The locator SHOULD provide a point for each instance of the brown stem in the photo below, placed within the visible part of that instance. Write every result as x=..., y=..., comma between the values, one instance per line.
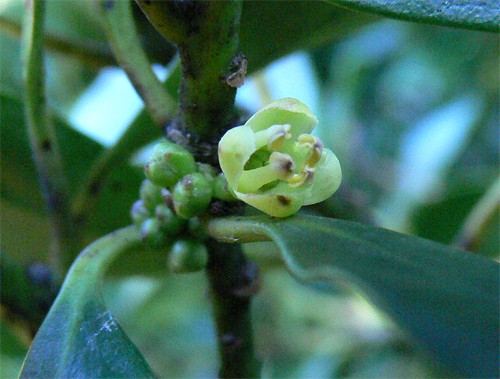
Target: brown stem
x=233, y=280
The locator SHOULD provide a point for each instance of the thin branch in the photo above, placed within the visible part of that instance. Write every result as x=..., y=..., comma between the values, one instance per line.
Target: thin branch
x=479, y=219
x=43, y=141
x=94, y=54
x=122, y=34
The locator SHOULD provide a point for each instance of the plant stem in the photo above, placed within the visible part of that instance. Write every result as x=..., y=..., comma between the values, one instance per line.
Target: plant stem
x=234, y=230
x=481, y=216
x=207, y=36
x=233, y=280
x=122, y=34
x=43, y=141
x=93, y=53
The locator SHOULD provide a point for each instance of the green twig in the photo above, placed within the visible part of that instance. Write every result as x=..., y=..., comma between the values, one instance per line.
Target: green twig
x=481, y=216
x=93, y=54
x=207, y=36
x=122, y=35
x=229, y=230
x=43, y=139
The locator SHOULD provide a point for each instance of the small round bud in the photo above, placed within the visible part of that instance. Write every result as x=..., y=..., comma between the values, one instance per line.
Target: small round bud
x=168, y=163
x=139, y=213
x=206, y=170
x=150, y=195
x=170, y=223
x=222, y=190
x=196, y=229
x=192, y=195
x=152, y=233
x=187, y=256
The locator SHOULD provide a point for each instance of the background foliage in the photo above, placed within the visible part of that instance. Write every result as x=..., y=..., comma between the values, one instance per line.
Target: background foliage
x=411, y=111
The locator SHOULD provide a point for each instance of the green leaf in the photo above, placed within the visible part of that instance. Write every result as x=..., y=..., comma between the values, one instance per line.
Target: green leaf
x=80, y=337
x=446, y=299
x=12, y=351
x=468, y=14
x=273, y=29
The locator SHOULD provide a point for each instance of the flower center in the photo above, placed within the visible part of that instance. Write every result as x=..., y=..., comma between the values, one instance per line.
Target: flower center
x=281, y=166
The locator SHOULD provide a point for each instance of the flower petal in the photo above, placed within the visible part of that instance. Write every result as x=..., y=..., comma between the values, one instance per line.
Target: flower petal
x=293, y=111
x=274, y=204
x=326, y=180
x=235, y=148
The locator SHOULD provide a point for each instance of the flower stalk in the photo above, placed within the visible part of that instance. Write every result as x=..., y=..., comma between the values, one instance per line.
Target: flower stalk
x=43, y=140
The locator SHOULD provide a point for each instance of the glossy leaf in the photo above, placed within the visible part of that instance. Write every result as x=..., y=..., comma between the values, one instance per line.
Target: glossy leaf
x=446, y=299
x=272, y=29
x=469, y=14
x=80, y=337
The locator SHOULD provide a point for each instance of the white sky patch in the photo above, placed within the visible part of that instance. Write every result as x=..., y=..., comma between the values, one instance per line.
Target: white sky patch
x=108, y=105
x=426, y=152
x=291, y=76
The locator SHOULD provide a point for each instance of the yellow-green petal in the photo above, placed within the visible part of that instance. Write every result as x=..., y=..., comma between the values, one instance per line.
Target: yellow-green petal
x=274, y=204
x=327, y=178
x=235, y=148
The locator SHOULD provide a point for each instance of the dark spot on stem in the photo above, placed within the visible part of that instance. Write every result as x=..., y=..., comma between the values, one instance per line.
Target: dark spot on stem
x=249, y=281
x=39, y=274
x=283, y=200
x=94, y=188
x=230, y=342
x=79, y=220
x=46, y=145
x=108, y=4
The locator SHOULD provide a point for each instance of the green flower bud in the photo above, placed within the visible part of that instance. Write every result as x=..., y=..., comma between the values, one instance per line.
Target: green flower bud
x=273, y=162
x=150, y=195
x=196, y=229
x=139, y=213
x=170, y=223
x=152, y=233
x=192, y=195
x=222, y=190
x=168, y=163
x=207, y=170
x=187, y=256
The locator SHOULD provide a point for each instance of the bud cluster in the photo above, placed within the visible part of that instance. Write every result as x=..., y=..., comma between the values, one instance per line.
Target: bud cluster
x=177, y=190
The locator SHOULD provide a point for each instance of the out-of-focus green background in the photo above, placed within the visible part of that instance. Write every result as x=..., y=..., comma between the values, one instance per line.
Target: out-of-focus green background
x=410, y=110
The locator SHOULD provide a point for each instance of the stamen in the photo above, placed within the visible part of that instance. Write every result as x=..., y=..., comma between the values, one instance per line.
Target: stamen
x=316, y=148
x=273, y=137
x=304, y=177
x=280, y=167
